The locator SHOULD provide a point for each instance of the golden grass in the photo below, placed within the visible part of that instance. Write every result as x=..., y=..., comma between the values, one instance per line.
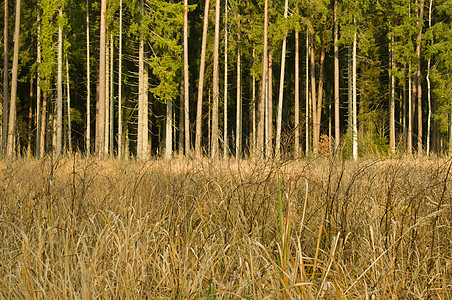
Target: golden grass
x=81, y=228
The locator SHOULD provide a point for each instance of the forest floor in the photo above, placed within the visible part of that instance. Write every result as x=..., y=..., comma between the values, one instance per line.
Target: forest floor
x=323, y=228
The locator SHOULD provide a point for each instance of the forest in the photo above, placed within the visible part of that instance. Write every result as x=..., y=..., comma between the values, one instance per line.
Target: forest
x=261, y=78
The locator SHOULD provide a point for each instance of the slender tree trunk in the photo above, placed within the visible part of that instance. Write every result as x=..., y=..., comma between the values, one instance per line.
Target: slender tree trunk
x=337, y=130
x=355, y=127
x=198, y=137
x=38, y=91
x=429, y=117
x=225, y=109
x=100, y=107
x=120, y=129
x=112, y=105
x=216, y=87
x=319, y=103
x=418, y=76
x=12, y=111
x=88, y=85
x=392, y=99
x=59, y=129
x=297, y=95
x=43, y=131
x=315, y=138
x=410, y=113
x=261, y=116
x=169, y=129
x=107, y=97
x=68, y=106
x=281, y=88
x=238, y=143
x=308, y=108
x=142, y=99
x=30, y=119
x=186, y=84
x=253, y=107
x=269, y=109
x=5, y=79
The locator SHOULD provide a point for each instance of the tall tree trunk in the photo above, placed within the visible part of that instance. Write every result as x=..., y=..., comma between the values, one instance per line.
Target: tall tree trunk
x=281, y=88
x=315, y=135
x=100, y=107
x=169, y=129
x=120, y=129
x=225, y=109
x=297, y=95
x=88, y=86
x=198, y=137
x=68, y=106
x=238, y=142
x=355, y=127
x=337, y=130
x=107, y=96
x=12, y=111
x=59, y=129
x=112, y=105
x=420, y=22
x=261, y=115
x=5, y=79
x=30, y=119
x=308, y=109
x=216, y=86
x=43, y=131
x=186, y=84
x=253, y=107
x=318, y=118
x=410, y=113
x=142, y=99
x=269, y=109
x=38, y=90
x=392, y=99
x=429, y=117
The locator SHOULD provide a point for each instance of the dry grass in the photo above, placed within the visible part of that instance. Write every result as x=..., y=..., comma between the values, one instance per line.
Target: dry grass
x=330, y=229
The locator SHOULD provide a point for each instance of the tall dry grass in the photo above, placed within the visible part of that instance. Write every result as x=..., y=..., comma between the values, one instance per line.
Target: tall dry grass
x=80, y=228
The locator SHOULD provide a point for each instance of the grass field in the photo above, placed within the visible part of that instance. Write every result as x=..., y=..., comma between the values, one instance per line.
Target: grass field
x=321, y=228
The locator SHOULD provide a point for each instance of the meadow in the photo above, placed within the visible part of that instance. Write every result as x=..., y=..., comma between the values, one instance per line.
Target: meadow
x=316, y=228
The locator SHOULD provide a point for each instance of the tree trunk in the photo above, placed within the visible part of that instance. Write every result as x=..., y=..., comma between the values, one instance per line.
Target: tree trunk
x=5, y=79
x=38, y=91
x=253, y=107
x=12, y=111
x=308, y=108
x=59, y=129
x=225, y=109
x=42, y=133
x=169, y=129
x=198, y=137
x=429, y=117
x=107, y=96
x=337, y=130
x=355, y=127
x=313, y=96
x=30, y=119
x=261, y=115
x=392, y=143
x=186, y=84
x=318, y=118
x=410, y=114
x=88, y=85
x=68, y=106
x=120, y=129
x=297, y=95
x=238, y=136
x=112, y=105
x=269, y=109
x=100, y=107
x=418, y=76
x=216, y=87
x=142, y=99
x=281, y=88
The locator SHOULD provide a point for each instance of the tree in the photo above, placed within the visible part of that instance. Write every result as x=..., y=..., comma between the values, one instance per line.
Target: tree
x=5, y=79
x=264, y=91
x=59, y=140
x=100, y=105
x=186, y=83
x=337, y=129
x=216, y=87
x=88, y=85
x=12, y=111
x=201, y=81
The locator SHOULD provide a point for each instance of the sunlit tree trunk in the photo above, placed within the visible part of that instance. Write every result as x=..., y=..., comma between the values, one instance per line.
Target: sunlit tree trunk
x=281, y=88
x=59, y=126
x=418, y=75
x=410, y=113
x=269, y=109
x=5, y=77
x=112, y=105
x=38, y=90
x=238, y=143
x=12, y=111
x=30, y=119
x=120, y=129
x=297, y=95
x=186, y=84
x=429, y=117
x=142, y=98
x=261, y=115
x=88, y=85
x=107, y=97
x=169, y=129
x=392, y=100
x=354, y=122
x=253, y=113
x=225, y=109
x=315, y=134
x=216, y=86
x=68, y=106
x=337, y=130
x=198, y=137
x=100, y=107
x=308, y=108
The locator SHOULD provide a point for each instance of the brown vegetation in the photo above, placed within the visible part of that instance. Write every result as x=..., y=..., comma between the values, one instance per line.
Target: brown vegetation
x=322, y=228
